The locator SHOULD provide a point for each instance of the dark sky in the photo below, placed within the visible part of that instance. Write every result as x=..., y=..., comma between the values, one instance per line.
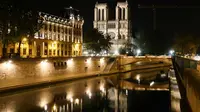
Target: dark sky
x=86, y=9
x=169, y=20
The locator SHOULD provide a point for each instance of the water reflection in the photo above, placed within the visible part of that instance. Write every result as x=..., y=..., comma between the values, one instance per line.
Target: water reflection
x=102, y=94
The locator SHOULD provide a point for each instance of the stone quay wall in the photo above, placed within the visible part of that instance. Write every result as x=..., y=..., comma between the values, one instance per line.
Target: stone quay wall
x=72, y=66
x=25, y=68
x=191, y=80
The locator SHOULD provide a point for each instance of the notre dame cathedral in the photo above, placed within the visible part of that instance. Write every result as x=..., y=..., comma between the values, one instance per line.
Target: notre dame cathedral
x=117, y=26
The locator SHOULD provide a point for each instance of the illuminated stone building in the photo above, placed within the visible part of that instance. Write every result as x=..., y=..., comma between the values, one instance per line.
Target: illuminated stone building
x=118, y=27
x=58, y=37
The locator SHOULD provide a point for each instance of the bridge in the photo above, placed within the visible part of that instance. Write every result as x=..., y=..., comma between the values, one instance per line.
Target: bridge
x=188, y=78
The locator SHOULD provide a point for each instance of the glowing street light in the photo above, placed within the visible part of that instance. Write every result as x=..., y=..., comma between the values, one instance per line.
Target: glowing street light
x=45, y=107
x=45, y=61
x=138, y=52
x=70, y=61
x=102, y=88
x=152, y=83
x=77, y=101
x=126, y=92
x=9, y=61
x=101, y=60
x=54, y=107
x=69, y=97
x=88, y=92
x=116, y=52
x=88, y=60
x=86, y=53
x=197, y=58
x=24, y=39
x=8, y=64
x=138, y=78
x=171, y=52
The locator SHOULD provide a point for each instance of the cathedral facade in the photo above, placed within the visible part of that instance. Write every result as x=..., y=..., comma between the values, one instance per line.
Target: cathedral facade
x=119, y=28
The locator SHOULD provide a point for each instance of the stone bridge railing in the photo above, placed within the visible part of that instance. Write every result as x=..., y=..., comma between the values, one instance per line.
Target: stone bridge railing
x=188, y=78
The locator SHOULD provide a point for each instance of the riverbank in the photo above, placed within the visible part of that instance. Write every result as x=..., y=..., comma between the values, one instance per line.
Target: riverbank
x=14, y=84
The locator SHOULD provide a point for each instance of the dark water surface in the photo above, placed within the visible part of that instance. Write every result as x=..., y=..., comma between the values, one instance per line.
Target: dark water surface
x=88, y=95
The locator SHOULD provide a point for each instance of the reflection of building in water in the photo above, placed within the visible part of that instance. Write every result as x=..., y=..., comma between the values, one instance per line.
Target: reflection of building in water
x=63, y=103
x=118, y=26
x=112, y=96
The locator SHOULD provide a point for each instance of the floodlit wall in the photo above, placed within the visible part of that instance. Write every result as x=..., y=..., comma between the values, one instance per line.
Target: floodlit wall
x=25, y=68
x=192, y=82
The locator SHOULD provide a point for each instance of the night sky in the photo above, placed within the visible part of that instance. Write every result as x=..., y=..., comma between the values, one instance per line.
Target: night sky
x=169, y=21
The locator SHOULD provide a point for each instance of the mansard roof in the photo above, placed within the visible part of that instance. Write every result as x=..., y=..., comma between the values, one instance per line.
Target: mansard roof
x=57, y=19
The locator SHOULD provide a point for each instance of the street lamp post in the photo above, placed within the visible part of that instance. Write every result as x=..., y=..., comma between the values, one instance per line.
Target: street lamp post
x=138, y=52
x=171, y=52
x=138, y=79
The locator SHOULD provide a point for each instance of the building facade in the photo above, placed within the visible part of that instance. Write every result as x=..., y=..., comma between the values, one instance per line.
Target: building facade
x=119, y=29
x=58, y=37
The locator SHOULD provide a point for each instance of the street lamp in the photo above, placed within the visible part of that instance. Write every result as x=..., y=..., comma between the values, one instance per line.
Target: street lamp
x=171, y=52
x=138, y=52
x=116, y=52
x=152, y=83
x=138, y=78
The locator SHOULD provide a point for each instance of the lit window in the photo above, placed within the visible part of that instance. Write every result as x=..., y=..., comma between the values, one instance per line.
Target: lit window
x=66, y=31
x=58, y=29
x=45, y=35
x=54, y=36
x=50, y=28
x=45, y=52
x=39, y=34
x=50, y=52
x=65, y=52
x=24, y=51
x=66, y=39
x=45, y=27
x=58, y=45
x=50, y=36
x=58, y=36
x=54, y=29
x=54, y=52
x=46, y=44
x=58, y=52
x=66, y=46
x=30, y=51
x=61, y=29
x=62, y=53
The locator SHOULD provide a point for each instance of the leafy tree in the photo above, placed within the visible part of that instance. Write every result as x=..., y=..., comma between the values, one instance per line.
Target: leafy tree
x=128, y=49
x=17, y=23
x=122, y=51
x=186, y=44
x=96, y=41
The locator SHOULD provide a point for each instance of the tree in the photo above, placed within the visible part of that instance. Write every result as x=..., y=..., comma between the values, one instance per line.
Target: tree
x=96, y=42
x=17, y=22
x=128, y=48
x=186, y=44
